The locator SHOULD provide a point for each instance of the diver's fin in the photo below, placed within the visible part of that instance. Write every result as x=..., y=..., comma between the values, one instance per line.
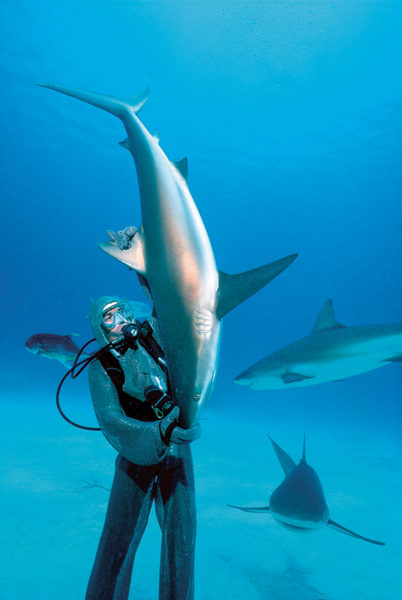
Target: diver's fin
x=256, y=509
x=120, y=107
x=287, y=463
x=294, y=377
x=234, y=289
x=326, y=318
x=134, y=257
x=341, y=529
x=394, y=359
x=182, y=167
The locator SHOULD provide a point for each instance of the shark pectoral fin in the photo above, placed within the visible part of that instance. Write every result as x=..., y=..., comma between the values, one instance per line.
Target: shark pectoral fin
x=394, y=359
x=294, y=377
x=234, y=289
x=260, y=509
x=134, y=257
x=341, y=529
x=287, y=463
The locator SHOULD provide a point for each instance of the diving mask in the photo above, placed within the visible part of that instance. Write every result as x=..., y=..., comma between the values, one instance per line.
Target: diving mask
x=114, y=314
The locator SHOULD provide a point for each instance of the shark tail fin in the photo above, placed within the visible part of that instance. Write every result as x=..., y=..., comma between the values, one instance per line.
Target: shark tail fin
x=255, y=509
x=341, y=529
x=287, y=463
x=116, y=106
x=234, y=289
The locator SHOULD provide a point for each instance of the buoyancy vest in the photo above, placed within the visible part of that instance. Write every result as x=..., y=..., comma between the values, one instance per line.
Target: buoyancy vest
x=133, y=407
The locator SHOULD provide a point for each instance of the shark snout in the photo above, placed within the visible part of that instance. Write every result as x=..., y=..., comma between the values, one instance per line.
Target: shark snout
x=242, y=379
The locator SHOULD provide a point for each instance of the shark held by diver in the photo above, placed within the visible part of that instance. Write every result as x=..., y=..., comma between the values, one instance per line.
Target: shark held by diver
x=173, y=257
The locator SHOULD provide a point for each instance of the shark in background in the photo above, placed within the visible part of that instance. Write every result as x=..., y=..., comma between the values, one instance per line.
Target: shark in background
x=298, y=502
x=52, y=345
x=172, y=255
x=332, y=352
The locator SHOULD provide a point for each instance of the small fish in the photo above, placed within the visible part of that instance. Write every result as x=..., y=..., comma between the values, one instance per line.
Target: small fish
x=51, y=345
x=298, y=502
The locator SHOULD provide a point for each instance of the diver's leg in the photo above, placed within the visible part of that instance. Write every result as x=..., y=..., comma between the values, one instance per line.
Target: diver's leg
x=175, y=504
x=126, y=517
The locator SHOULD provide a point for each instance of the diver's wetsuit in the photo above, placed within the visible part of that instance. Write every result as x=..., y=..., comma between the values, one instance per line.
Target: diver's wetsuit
x=146, y=469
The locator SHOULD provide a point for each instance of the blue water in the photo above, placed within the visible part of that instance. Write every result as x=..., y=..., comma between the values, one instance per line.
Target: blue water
x=291, y=117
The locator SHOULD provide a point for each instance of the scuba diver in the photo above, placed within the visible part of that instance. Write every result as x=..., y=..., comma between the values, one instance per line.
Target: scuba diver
x=130, y=392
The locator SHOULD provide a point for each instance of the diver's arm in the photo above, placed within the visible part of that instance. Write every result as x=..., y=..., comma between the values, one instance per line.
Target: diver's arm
x=185, y=436
x=138, y=441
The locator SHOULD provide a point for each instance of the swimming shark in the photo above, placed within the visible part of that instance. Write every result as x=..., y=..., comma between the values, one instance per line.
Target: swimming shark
x=52, y=345
x=332, y=352
x=173, y=256
x=298, y=503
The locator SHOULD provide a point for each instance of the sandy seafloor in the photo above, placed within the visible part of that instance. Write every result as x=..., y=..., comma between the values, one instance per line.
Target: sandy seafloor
x=51, y=525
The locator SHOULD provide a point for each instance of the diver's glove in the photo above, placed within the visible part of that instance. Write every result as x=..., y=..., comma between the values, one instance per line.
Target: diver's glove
x=123, y=237
x=171, y=432
x=185, y=436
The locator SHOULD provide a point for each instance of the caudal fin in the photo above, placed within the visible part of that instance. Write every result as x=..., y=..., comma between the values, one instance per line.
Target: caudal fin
x=234, y=289
x=116, y=106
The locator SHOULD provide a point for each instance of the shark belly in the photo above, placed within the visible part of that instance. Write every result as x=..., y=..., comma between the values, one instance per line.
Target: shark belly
x=298, y=524
x=335, y=369
x=183, y=279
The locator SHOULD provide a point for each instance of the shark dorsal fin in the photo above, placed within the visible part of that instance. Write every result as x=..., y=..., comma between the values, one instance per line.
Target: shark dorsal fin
x=326, y=318
x=287, y=463
x=182, y=167
x=234, y=289
x=303, y=458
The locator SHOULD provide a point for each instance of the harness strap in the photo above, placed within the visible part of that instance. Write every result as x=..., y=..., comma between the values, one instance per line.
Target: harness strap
x=155, y=399
x=149, y=343
x=133, y=407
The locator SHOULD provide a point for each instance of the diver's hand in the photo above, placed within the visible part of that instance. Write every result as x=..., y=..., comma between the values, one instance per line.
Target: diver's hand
x=123, y=237
x=171, y=432
x=168, y=424
x=185, y=436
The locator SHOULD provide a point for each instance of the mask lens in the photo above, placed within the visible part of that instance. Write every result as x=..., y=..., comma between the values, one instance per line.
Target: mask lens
x=113, y=316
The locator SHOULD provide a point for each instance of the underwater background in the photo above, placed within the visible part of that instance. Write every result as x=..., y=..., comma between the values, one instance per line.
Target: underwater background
x=290, y=114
